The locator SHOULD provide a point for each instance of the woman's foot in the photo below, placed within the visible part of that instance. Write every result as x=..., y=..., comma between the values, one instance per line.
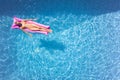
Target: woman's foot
x=49, y=30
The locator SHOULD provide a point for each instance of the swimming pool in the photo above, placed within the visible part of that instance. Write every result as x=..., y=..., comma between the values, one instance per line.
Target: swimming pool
x=84, y=45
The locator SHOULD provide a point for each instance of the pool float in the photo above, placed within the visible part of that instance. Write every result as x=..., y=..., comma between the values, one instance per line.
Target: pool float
x=14, y=26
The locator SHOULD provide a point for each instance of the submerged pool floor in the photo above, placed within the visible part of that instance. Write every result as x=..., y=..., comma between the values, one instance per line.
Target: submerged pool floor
x=80, y=48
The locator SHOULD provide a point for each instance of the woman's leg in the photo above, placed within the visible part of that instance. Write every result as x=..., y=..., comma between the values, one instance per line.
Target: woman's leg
x=40, y=29
x=43, y=29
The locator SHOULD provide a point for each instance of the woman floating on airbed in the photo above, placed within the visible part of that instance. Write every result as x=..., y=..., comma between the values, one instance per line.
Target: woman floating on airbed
x=30, y=26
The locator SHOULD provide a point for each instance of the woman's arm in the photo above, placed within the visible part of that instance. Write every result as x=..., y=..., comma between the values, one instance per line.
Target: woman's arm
x=29, y=19
x=26, y=32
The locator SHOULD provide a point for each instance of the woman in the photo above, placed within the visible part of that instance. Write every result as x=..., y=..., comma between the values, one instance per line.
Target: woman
x=24, y=25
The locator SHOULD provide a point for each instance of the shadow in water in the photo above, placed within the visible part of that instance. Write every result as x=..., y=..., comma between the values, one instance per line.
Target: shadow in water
x=52, y=45
x=47, y=7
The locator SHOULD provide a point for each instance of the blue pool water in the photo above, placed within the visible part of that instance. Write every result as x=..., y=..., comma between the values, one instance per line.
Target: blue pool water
x=84, y=45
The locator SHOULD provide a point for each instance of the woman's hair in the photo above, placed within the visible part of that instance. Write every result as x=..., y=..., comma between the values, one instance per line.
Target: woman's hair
x=18, y=24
